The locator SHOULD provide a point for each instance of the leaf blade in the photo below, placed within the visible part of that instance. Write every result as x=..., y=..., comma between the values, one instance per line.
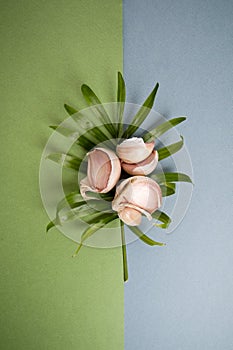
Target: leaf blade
x=163, y=217
x=142, y=113
x=171, y=149
x=168, y=189
x=162, y=128
x=62, y=130
x=70, y=110
x=121, y=94
x=124, y=253
x=50, y=225
x=144, y=237
x=65, y=160
x=171, y=177
x=93, y=100
x=91, y=230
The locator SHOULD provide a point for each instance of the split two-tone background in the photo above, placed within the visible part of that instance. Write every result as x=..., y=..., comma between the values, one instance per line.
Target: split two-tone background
x=177, y=297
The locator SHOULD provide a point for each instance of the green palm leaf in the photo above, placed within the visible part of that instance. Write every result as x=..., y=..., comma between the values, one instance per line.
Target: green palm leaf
x=66, y=160
x=168, y=189
x=88, y=139
x=50, y=225
x=142, y=113
x=70, y=110
x=92, y=229
x=171, y=177
x=163, y=217
x=124, y=252
x=144, y=237
x=171, y=149
x=94, y=136
x=63, y=131
x=91, y=212
x=69, y=200
x=121, y=93
x=93, y=100
x=162, y=128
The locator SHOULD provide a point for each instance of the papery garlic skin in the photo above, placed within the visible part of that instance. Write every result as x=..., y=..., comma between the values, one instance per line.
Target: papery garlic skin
x=134, y=150
x=142, y=168
x=140, y=193
x=130, y=216
x=103, y=172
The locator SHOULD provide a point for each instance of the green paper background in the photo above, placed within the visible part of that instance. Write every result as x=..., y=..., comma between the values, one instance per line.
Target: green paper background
x=49, y=300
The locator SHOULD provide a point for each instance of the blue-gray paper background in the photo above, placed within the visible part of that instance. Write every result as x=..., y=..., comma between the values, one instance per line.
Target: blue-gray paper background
x=181, y=296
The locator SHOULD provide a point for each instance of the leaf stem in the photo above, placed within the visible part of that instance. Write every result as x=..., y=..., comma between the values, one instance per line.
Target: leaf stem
x=124, y=252
x=77, y=250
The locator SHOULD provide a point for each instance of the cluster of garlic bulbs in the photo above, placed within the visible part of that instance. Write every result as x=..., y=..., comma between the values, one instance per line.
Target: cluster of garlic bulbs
x=135, y=196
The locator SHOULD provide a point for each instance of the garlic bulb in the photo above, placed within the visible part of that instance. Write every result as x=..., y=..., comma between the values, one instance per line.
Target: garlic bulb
x=144, y=167
x=103, y=172
x=134, y=150
x=140, y=195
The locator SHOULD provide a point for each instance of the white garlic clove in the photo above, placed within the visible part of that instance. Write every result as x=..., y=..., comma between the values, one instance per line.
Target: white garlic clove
x=130, y=216
x=134, y=150
x=103, y=171
x=86, y=187
x=142, y=168
x=140, y=193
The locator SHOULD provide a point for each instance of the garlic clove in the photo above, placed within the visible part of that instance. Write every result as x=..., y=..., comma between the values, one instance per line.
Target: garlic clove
x=85, y=187
x=130, y=216
x=140, y=193
x=142, y=168
x=134, y=150
x=99, y=169
x=150, y=146
x=103, y=172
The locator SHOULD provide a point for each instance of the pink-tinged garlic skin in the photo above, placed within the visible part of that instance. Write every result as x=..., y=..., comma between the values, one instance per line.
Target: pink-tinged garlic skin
x=103, y=172
x=134, y=150
x=130, y=216
x=140, y=193
x=142, y=168
x=98, y=169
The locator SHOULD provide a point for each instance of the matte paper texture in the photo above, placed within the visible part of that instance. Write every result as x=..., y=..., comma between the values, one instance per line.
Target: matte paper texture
x=183, y=292
x=48, y=299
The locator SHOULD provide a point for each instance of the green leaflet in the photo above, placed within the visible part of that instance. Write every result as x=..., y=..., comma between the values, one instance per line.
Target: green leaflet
x=124, y=252
x=171, y=149
x=162, y=128
x=99, y=216
x=88, y=139
x=144, y=237
x=121, y=93
x=84, y=142
x=70, y=110
x=63, y=131
x=66, y=160
x=69, y=200
x=141, y=114
x=87, y=211
x=168, y=189
x=75, y=197
x=93, y=100
x=104, y=196
x=94, y=136
x=171, y=177
x=163, y=217
x=90, y=213
x=92, y=229
x=50, y=225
